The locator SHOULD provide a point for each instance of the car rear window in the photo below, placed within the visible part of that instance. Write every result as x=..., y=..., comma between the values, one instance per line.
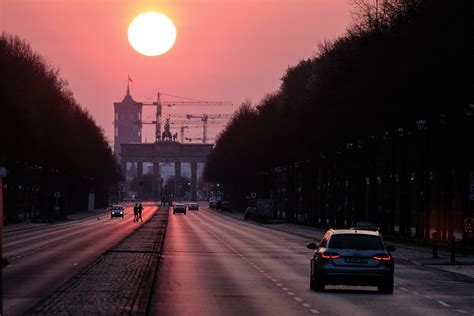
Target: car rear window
x=353, y=241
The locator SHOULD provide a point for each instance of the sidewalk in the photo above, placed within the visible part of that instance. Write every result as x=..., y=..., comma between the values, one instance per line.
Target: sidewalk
x=118, y=282
x=418, y=255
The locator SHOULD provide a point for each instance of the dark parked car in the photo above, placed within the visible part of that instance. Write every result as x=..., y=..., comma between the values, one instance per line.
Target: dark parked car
x=225, y=206
x=365, y=225
x=179, y=208
x=193, y=206
x=117, y=211
x=352, y=257
x=212, y=203
x=249, y=213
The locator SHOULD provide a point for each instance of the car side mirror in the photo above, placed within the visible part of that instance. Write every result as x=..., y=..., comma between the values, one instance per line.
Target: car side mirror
x=391, y=248
x=311, y=245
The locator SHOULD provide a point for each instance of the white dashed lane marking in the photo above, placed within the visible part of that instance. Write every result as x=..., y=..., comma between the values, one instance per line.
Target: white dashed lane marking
x=296, y=298
x=270, y=277
x=27, y=253
x=444, y=304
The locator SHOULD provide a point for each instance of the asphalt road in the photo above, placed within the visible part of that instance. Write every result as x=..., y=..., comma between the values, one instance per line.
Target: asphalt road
x=42, y=257
x=213, y=264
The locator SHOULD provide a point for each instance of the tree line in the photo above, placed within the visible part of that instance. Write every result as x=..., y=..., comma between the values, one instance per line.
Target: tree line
x=401, y=62
x=49, y=143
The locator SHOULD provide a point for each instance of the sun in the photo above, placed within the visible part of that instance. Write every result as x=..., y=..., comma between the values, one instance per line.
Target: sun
x=151, y=33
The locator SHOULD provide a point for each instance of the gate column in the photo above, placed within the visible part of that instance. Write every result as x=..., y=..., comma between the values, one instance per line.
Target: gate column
x=156, y=184
x=140, y=179
x=177, y=179
x=193, y=181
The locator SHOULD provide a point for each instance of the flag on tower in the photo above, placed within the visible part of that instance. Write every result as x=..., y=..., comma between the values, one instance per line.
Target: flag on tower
x=130, y=79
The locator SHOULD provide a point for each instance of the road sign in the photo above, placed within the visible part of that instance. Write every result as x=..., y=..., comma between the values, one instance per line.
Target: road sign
x=253, y=194
x=56, y=194
x=468, y=223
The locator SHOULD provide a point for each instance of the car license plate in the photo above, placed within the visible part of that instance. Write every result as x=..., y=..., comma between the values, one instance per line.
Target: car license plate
x=356, y=260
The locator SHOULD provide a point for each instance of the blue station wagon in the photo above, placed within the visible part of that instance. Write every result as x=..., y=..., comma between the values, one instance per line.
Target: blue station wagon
x=352, y=257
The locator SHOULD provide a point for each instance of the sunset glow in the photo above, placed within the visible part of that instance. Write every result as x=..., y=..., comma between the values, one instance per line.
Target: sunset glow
x=238, y=50
x=152, y=34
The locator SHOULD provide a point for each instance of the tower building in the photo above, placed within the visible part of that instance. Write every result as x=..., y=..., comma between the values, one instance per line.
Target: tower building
x=127, y=122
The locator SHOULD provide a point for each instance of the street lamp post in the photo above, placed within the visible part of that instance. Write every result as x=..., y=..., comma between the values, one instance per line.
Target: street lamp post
x=402, y=184
x=469, y=206
x=445, y=177
x=389, y=192
x=423, y=218
x=359, y=182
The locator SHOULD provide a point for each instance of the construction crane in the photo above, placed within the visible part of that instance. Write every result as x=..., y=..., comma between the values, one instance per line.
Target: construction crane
x=182, y=128
x=205, y=118
x=182, y=132
x=191, y=102
x=190, y=139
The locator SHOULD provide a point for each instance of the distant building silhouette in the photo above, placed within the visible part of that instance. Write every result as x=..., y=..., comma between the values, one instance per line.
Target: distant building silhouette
x=127, y=122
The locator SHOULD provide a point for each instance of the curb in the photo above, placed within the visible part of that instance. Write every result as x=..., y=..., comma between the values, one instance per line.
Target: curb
x=435, y=265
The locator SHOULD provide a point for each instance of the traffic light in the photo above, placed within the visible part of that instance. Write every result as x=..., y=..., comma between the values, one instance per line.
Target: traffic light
x=218, y=185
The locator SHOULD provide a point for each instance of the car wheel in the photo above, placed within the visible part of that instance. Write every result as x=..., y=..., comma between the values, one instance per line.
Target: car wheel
x=311, y=284
x=386, y=287
x=316, y=285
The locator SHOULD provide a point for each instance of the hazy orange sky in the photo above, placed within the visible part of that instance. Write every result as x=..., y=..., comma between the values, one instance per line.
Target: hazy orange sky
x=226, y=50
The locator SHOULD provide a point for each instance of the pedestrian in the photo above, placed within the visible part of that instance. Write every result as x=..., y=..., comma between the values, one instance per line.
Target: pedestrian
x=135, y=213
x=140, y=209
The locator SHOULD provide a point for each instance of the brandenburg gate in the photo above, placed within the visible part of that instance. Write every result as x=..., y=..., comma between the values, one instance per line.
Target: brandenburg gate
x=164, y=153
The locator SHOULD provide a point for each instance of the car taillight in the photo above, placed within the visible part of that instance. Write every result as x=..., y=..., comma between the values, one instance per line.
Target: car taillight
x=382, y=257
x=330, y=255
